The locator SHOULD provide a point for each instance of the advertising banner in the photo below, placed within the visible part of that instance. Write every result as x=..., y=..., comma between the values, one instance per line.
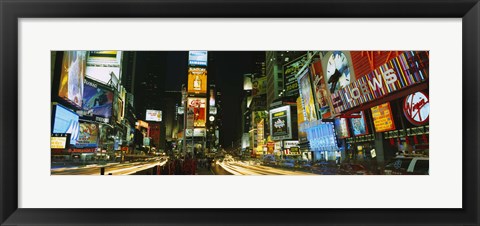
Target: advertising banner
x=199, y=132
x=338, y=73
x=197, y=80
x=88, y=135
x=72, y=76
x=280, y=124
x=259, y=86
x=58, y=141
x=66, y=121
x=322, y=94
x=290, y=143
x=118, y=109
x=97, y=100
x=307, y=96
x=199, y=110
x=407, y=69
x=382, y=118
x=153, y=115
x=289, y=71
x=358, y=125
x=302, y=135
x=341, y=127
x=197, y=58
x=104, y=57
x=416, y=108
x=104, y=66
x=247, y=82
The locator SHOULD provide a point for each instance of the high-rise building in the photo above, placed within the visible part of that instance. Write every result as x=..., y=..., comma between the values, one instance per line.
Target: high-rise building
x=275, y=60
x=150, y=75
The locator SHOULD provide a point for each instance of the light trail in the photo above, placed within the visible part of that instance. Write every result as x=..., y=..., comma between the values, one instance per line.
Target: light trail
x=242, y=168
x=114, y=169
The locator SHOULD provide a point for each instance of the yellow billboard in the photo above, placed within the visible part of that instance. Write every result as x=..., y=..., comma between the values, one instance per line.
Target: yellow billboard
x=197, y=80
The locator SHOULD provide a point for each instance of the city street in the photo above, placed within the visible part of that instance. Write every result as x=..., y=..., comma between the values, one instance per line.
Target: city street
x=110, y=169
x=240, y=112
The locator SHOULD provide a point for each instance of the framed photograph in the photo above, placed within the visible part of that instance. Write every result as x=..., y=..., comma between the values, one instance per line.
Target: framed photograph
x=224, y=112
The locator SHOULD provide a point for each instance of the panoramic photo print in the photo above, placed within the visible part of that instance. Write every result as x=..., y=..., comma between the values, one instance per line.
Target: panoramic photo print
x=318, y=112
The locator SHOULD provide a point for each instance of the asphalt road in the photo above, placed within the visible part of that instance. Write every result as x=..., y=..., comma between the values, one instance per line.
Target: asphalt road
x=113, y=169
x=247, y=168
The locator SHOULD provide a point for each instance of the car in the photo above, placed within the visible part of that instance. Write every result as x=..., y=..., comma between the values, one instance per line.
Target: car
x=352, y=169
x=404, y=165
x=289, y=163
x=324, y=168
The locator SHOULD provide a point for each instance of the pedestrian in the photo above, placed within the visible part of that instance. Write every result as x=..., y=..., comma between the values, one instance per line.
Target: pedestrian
x=339, y=156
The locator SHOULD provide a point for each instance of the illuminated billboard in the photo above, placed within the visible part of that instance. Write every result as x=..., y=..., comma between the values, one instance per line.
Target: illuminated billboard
x=104, y=66
x=307, y=96
x=105, y=57
x=302, y=135
x=72, y=76
x=153, y=115
x=97, y=100
x=88, y=135
x=407, y=69
x=66, y=121
x=199, y=110
x=280, y=123
x=322, y=95
x=197, y=58
x=416, y=108
x=338, y=70
x=259, y=86
x=358, y=125
x=290, y=70
x=197, y=80
x=58, y=141
x=382, y=118
x=341, y=127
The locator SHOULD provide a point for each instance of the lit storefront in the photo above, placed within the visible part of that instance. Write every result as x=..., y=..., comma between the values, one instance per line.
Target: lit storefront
x=366, y=104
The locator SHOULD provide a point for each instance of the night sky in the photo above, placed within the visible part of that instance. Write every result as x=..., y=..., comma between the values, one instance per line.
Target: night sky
x=226, y=69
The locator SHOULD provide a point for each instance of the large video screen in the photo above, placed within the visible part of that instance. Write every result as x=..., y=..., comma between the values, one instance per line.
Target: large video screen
x=97, y=100
x=66, y=121
x=199, y=110
x=72, y=76
x=153, y=115
x=88, y=135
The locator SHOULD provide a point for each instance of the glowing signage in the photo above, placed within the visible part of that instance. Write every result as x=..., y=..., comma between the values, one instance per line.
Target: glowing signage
x=407, y=69
x=72, y=76
x=153, y=115
x=341, y=127
x=382, y=118
x=199, y=110
x=280, y=123
x=307, y=96
x=197, y=58
x=88, y=135
x=197, y=80
x=416, y=108
x=358, y=125
x=66, y=121
x=322, y=95
x=58, y=142
x=97, y=101
x=290, y=70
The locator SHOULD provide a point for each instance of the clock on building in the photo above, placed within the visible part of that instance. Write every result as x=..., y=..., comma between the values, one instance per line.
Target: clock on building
x=338, y=71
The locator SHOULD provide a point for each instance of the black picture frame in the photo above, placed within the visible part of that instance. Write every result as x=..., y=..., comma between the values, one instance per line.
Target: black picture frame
x=11, y=11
